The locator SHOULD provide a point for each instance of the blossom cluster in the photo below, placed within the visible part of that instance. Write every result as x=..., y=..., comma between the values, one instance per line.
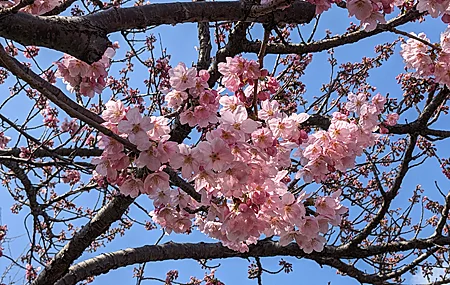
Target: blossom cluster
x=71, y=176
x=240, y=166
x=429, y=62
x=4, y=140
x=3, y=230
x=31, y=272
x=50, y=115
x=337, y=148
x=372, y=12
x=85, y=79
x=39, y=7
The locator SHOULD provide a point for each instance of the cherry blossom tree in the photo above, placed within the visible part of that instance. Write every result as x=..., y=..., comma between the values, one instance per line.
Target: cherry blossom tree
x=235, y=146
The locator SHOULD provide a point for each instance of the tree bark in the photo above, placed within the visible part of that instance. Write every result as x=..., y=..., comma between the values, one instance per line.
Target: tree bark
x=176, y=251
x=86, y=37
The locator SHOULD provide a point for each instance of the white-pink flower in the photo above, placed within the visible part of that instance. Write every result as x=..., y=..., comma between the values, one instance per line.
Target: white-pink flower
x=186, y=159
x=4, y=140
x=361, y=9
x=239, y=121
x=132, y=187
x=114, y=112
x=181, y=77
x=216, y=154
x=154, y=181
x=175, y=98
x=136, y=127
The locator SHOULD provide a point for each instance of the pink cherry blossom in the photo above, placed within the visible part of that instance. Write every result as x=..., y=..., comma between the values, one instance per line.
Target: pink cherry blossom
x=392, y=119
x=114, y=112
x=216, y=154
x=229, y=103
x=355, y=102
x=4, y=140
x=269, y=109
x=284, y=128
x=361, y=9
x=161, y=197
x=132, y=187
x=370, y=23
x=263, y=138
x=415, y=54
x=84, y=78
x=153, y=182
x=239, y=121
x=239, y=166
x=188, y=117
x=181, y=77
x=313, y=244
x=136, y=127
x=433, y=7
x=186, y=159
x=160, y=127
x=293, y=212
x=149, y=158
x=175, y=98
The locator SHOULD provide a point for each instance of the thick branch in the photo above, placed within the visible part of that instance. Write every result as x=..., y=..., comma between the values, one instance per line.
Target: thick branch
x=86, y=37
x=113, y=20
x=30, y=190
x=76, y=36
x=175, y=251
x=204, y=51
x=72, y=250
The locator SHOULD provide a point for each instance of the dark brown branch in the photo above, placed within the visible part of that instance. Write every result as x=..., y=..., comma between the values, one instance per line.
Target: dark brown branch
x=76, y=36
x=411, y=265
x=333, y=42
x=431, y=108
x=204, y=51
x=180, y=182
x=30, y=189
x=43, y=163
x=443, y=220
x=86, y=37
x=175, y=251
x=404, y=167
x=70, y=152
x=349, y=270
x=82, y=239
x=113, y=20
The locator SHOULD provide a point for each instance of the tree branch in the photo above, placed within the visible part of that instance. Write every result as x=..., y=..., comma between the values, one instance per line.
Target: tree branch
x=280, y=48
x=86, y=37
x=82, y=239
x=176, y=251
x=70, y=152
x=388, y=197
x=30, y=189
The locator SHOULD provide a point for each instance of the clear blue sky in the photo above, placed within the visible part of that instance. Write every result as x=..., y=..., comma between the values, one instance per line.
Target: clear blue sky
x=180, y=42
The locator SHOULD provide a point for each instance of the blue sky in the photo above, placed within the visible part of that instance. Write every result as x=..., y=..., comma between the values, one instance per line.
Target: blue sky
x=180, y=42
